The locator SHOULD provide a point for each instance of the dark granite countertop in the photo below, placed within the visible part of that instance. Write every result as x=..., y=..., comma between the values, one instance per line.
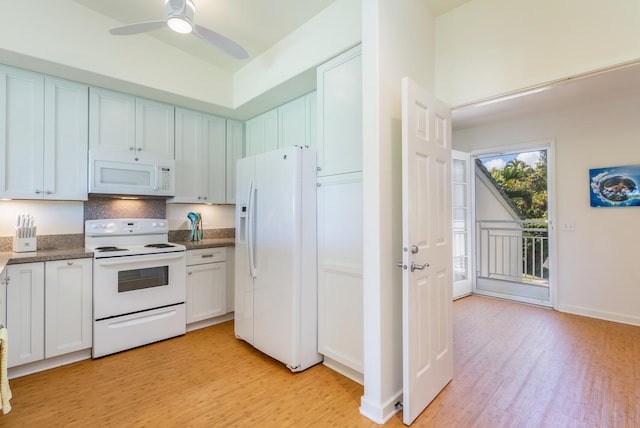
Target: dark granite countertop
x=11, y=258
x=207, y=243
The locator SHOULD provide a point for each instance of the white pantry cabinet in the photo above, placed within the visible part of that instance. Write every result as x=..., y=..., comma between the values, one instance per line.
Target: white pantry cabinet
x=206, y=283
x=200, y=155
x=68, y=306
x=340, y=292
x=25, y=312
x=235, y=151
x=49, y=309
x=340, y=114
x=123, y=122
x=340, y=285
x=43, y=137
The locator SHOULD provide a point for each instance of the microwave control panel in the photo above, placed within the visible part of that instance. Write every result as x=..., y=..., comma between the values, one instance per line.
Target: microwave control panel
x=164, y=178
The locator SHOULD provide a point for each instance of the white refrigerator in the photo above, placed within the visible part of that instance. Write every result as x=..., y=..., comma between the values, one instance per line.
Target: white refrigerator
x=275, y=256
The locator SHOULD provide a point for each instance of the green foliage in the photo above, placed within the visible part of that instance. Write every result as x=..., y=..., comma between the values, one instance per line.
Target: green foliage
x=526, y=186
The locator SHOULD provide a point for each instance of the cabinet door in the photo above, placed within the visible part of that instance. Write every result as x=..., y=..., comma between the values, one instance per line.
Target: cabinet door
x=66, y=112
x=155, y=128
x=262, y=133
x=21, y=133
x=68, y=297
x=3, y=297
x=25, y=312
x=292, y=123
x=340, y=114
x=112, y=120
x=340, y=293
x=191, y=154
x=311, y=120
x=206, y=291
x=235, y=151
x=214, y=131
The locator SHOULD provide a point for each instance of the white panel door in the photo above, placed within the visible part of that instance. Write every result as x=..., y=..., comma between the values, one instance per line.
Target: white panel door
x=340, y=292
x=461, y=200
x=191, y=155
x=214, y=130
x=427, y=328
x=112, y=120
x=66, y=116
x=235, y=151
x=21, y=133
x=292, y=124
x=206, y=291
x=69, y=304
x=25, y=312
x=155, y=128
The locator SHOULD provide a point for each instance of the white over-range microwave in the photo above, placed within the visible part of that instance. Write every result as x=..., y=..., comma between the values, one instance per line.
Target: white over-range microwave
x=124, y=174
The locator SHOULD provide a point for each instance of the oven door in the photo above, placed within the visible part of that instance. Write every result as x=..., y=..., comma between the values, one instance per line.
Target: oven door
x=124, y=285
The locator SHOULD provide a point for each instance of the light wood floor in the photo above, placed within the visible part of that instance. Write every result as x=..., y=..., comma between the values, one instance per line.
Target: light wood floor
x=515, y=366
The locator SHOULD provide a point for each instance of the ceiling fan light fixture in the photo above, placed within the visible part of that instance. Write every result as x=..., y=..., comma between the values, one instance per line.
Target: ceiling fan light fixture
x=180, y=24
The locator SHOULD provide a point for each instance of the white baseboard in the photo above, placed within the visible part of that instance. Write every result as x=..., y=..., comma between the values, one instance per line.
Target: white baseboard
x=380, y=413
x=352, y=374
x=48, y=363
x=607, y=316
x=210, y=322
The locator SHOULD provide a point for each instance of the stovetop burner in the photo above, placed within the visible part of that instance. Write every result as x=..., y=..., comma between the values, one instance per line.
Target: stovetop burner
x=107, y=249
x=162, y=245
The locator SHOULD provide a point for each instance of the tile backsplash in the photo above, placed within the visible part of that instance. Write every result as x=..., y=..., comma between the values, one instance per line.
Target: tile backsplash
x=98, y=208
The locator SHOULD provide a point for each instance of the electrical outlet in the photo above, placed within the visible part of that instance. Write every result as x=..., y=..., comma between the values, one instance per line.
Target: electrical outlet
x=568, y=226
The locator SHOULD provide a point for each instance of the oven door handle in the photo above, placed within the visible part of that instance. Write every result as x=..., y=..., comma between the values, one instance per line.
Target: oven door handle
x=136, y=259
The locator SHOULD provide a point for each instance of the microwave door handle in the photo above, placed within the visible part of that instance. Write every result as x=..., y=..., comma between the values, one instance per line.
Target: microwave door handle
x=155, y=184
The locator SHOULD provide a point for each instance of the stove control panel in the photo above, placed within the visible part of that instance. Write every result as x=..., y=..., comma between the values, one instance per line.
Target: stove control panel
x=123, y=226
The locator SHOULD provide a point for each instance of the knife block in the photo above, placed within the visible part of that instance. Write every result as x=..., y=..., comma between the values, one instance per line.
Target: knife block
x=24, y=245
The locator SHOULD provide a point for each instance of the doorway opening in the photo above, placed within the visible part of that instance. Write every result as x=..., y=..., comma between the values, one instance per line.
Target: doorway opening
x=512, y=239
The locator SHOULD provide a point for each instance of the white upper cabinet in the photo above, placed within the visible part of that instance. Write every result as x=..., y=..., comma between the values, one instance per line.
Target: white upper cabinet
x=125, y=123
x=340, y=114
x=262, y=133
x=112, y=120
x=43, y=137
x=66, y=111
x=154, y=127
x=235, y=151
x=291, y=124
x=200, y=155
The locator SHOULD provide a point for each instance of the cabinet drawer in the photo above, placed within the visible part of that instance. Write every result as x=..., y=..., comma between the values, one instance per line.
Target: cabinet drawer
x=206, y=255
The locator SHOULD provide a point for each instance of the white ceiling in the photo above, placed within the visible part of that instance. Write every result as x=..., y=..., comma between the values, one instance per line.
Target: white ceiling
x=596, y=87
x=255, y=24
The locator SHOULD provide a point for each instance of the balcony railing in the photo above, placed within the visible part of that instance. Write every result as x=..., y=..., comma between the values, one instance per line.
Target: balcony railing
x=513, y=250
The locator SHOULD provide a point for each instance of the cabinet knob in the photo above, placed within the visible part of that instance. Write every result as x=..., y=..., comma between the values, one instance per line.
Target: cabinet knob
x=70, y=263
x=139, y=149
x=189, y=273
x=131, y=149
x=49, y=192
x=38, y=191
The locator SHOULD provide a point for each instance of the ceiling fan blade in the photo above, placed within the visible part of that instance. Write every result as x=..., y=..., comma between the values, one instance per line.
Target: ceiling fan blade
x=141, y=27
x=221, y=42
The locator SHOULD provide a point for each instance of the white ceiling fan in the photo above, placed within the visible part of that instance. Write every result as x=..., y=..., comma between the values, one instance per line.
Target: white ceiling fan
x=180, y=19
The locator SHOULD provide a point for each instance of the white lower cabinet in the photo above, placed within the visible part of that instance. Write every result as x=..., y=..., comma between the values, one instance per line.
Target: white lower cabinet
x=25, y=312
x=49, y=309
x=206, y=283
x=340, y=292
x=68, y=306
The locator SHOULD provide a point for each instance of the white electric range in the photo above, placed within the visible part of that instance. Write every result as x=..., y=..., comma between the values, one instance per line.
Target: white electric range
x=139, y=283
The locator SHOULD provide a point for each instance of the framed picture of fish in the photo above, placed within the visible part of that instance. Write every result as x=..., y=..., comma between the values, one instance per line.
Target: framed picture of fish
x=617, y=186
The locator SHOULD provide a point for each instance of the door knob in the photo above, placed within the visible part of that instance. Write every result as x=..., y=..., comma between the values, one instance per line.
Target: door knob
x=415, y=266
x=414, y=249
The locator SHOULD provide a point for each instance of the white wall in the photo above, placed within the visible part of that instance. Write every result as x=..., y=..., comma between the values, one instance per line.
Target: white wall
x=397, y=41
x=596, y=264
x=52, y=217
x=490, y=47
x=213, y=216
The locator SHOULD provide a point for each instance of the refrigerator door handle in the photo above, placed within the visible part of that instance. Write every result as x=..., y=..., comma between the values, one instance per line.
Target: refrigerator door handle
x=251, y=230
